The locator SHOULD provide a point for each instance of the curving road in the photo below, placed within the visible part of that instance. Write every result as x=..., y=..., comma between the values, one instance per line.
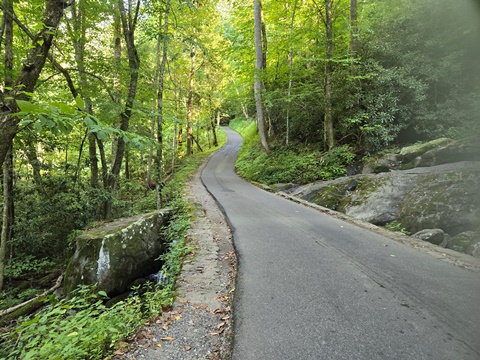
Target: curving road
x=310, y=286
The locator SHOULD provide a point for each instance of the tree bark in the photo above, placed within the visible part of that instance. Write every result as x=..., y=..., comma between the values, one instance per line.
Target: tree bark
x=259, y=68
x=328, y=131
x=7, y=218
x=214, y=132
x=79, y=40
x=353, y=29
x=129, y=22
x=161, y=79
x=35, y=163
x=290, y=72
x=191, y=83
x=117, y=59
x=29, y=73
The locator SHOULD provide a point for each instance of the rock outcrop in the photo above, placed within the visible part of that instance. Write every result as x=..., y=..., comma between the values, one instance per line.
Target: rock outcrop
x=438, y=189
x=117, y=253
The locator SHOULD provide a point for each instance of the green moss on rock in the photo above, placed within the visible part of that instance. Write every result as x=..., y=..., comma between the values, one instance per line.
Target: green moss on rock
x=116, y=253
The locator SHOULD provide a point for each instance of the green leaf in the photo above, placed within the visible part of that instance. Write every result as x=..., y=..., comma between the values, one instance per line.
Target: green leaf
x=27, y=106
x=64, y=108
x=25, y=122
x=80, y=103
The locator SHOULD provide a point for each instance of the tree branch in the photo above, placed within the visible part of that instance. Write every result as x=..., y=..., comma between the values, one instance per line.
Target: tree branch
x=49, y=291
x=18, y=22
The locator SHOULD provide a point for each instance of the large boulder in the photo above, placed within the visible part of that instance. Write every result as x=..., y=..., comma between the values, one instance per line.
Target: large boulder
x=410, y=153
x=442, y=197
x=434, y=236
x=468, y=242
x=117, y=253
x=449, y=153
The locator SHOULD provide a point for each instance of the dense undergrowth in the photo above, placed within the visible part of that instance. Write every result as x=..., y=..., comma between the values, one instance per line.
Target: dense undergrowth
x=83, y=327
x=293, y=164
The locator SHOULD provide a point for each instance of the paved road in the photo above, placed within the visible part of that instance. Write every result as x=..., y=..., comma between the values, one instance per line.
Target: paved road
x=310, y=286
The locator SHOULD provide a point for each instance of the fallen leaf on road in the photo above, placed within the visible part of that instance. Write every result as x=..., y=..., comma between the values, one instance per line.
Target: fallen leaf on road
x=168, y=338
x=220, y=325
x=187, y=348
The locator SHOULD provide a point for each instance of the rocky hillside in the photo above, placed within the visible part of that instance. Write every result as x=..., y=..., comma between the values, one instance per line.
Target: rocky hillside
x=429, y=190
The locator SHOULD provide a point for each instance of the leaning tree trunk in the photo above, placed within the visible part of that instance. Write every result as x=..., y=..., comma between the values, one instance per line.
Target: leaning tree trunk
x=259, y=68
x=29, y=73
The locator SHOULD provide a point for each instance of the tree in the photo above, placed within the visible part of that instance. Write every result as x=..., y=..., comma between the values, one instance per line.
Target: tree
x=353, y=29
x=129, y=18
x=328, y=132
x=161, y=64
x=7, y=219
x=191, y=83
x=26, y=80
x=290, y=73
x=260, y=64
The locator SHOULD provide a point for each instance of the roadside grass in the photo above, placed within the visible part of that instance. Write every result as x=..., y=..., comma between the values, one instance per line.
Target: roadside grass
x=295, y=164
x=83, y=327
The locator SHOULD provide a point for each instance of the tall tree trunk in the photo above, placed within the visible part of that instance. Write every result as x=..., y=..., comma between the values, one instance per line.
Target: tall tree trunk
x=161, y=79
x=191, y=83
x=328, y=131
x=117, y=59
x=7, y=218
x=8, y=163
x=129, y=22
x=79, y=40
x=353, y=29
x=290, y=73
x=214, y=131
x=29, y=73
x=259, y=68
x=35, y=163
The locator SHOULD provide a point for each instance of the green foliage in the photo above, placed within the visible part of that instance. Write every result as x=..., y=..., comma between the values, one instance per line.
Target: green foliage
x=83, y=327
x=18, y=267
x=38, y=231
x=78, y=328
x=15, y=297
x=396, y=226
x=284, y=165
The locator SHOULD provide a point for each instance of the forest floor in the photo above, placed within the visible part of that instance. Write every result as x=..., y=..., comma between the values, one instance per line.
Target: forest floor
x=199, y=325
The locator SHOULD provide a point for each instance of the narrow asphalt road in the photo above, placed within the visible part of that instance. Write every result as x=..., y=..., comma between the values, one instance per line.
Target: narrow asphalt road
x=310, y=286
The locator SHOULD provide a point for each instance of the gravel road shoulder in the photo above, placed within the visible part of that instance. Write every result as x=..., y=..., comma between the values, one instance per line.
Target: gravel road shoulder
x=199, y=325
